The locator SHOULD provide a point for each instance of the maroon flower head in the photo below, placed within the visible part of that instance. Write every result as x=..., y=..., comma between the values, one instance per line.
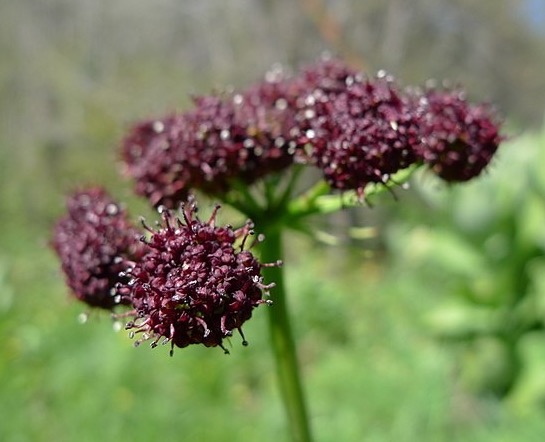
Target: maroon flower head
x=237, y=136
x=94, y=242
x=459, y=139
x=362, y=133
x=195, y=285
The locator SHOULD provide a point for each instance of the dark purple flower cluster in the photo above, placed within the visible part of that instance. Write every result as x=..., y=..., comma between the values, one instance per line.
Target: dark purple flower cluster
x=94, y=242
x=191, y=283
x=357, y=130
x=360, y=131
x=239, y=136
x=458, y=139
x=195, y=285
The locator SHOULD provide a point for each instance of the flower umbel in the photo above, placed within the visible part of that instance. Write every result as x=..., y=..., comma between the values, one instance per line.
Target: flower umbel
x=224, y=138
x=196, y=284
x=94, y=242
x=459, y=139
x=362, y=132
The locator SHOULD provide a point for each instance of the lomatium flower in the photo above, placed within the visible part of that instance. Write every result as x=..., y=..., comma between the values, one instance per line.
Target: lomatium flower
x=192, y=282
x=95, y=241
x=196, y=284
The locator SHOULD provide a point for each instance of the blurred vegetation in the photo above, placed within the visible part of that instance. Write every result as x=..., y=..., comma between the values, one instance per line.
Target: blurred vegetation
x=436, y=336
x=481, y=249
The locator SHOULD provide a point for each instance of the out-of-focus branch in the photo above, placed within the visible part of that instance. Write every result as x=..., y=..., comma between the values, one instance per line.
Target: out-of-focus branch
x=331, y=31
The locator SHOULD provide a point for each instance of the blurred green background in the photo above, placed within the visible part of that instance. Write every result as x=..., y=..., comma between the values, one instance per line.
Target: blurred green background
x=434, y=329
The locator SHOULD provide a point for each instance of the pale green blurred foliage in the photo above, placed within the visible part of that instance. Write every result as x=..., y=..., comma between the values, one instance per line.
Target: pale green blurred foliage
x=480, y=248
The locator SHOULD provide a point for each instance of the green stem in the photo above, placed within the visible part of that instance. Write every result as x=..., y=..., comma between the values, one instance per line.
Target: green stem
x=282, y=339
x=319, y=200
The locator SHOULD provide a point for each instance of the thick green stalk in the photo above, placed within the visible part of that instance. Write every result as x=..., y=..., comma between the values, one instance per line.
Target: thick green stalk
x=282, y=339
